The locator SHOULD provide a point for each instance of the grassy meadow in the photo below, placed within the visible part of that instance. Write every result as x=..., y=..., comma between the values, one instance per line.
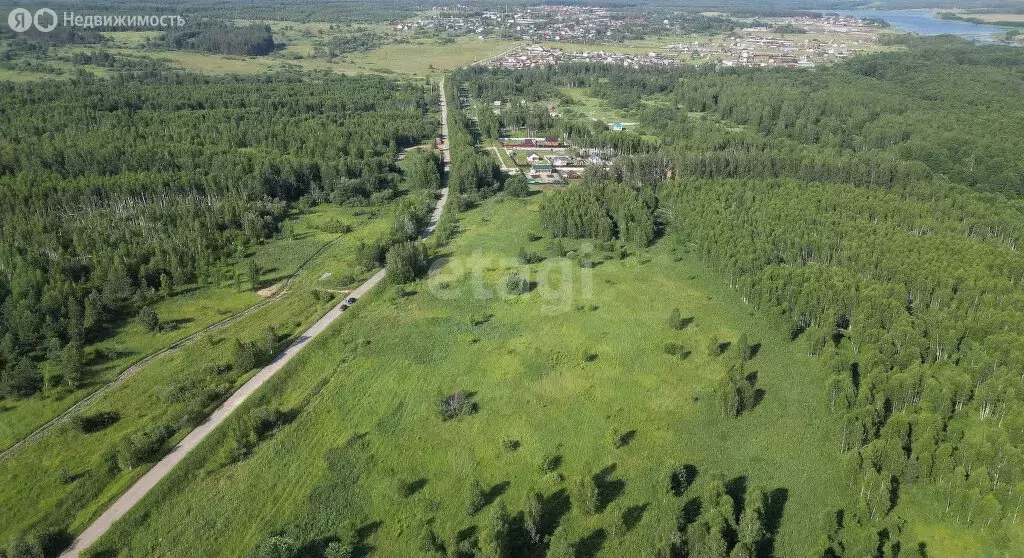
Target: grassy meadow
x=415, y=57
x=192, y=309
x=592, y=107
x=557, y=374
x=54, y=476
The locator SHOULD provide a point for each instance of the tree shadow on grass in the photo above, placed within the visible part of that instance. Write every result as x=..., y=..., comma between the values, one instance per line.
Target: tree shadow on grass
x=552, y=509
x=689, y=513
x=466, y=537
x=682, y=478
x=774, y=505
x=625, y=439
x=608, y=489
x=96, y=422
x=495, y=492
x=362, y=547
x=411, y=488
x=174, y=325
x=736, y=488
x=55, y=542
x=632, y=516
x=590, y=545
x=758, y=392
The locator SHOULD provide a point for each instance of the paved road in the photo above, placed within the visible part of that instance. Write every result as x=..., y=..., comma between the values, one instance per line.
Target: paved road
x=176, y=455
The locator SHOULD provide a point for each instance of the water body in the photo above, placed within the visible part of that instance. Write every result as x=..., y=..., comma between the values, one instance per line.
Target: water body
x=925, y=22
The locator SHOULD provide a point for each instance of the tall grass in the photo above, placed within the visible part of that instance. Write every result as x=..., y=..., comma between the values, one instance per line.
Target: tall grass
x=565, y=383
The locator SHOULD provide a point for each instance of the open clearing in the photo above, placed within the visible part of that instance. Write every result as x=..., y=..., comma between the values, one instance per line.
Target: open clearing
x=554, y=373
x=419, y=58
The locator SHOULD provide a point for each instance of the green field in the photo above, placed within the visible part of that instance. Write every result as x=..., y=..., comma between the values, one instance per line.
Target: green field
x=592, y=107
x=556, y=370
x=54, y=476
x=192, y=309
x=418, y=57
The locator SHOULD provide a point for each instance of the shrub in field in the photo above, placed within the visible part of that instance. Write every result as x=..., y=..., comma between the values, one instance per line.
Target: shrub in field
x=345, y=546
x=680, y=479
x=530, y=257
x=277, y=546
x=23, y=546
x=676, y=350
x=95, y=422
x=142, y=446
x=714, y=346
x=406, y=262
x=586, y=496
x=556, y=248
x=620, y=439
x=675, y=319
x=243, y=356
x=550, y=462
x=477, y=499
x=456, y=405
x=516, y=284
x=249, y=431
x=743, y=347
x=431, y=545
x=533, y=517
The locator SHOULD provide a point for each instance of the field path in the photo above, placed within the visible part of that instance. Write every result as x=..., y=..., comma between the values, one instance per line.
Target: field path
x=142, y=486
x=127, y=373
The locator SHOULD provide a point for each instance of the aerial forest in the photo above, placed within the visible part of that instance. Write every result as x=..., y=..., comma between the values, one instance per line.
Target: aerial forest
x=873, y=209
x=113, y=193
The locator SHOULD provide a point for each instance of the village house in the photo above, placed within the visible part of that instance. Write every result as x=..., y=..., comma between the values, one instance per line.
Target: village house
x=558, y=160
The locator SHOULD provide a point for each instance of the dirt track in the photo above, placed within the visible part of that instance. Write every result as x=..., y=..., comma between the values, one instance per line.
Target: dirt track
x=142, y=486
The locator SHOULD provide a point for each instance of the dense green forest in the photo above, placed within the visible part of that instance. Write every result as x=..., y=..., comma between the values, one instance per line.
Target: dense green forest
x=889, y=118
x=874, y=209
x=116, y=192
x=220, y=38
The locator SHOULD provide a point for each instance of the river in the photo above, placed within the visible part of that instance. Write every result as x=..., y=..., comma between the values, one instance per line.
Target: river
x=925, y=22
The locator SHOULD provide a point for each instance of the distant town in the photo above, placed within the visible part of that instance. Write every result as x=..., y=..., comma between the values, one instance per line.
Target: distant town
x=798, y=41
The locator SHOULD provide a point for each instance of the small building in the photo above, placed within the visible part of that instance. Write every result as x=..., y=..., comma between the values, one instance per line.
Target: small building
x=533, y=158
x=558, y=160
x=539, y=168
x=594, y=159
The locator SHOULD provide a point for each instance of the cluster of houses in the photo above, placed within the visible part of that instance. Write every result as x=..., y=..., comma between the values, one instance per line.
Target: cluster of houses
x=532, y=23
x=555, y=166
x=531, y=56
x=548, y=142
